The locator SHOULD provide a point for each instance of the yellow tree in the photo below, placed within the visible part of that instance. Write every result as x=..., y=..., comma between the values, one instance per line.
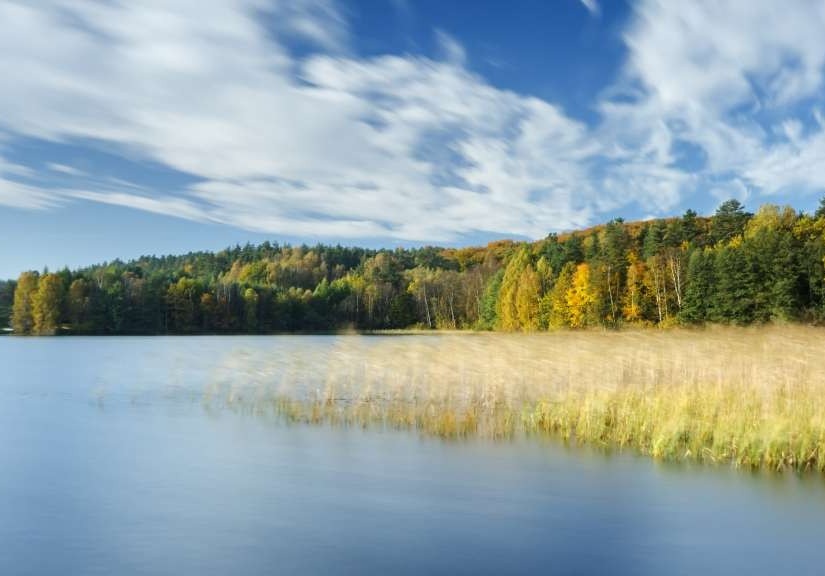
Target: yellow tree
x=508, y=313
x=545, y=275
x=528, y=295
x=47, y=304
x=22, y=319
x=553, y=305
x=522, y=287
x=633, y=305
x=581, y=298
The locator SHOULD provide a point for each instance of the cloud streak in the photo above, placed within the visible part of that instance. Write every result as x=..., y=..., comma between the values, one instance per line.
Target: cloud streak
x=592, y=7
x=331, y=145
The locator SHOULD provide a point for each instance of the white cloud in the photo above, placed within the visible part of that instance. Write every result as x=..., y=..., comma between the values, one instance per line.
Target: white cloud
x=407, y=147
x=708, y=73
x=165, y=205
x=712, y=53
x=15, y=170
x=393, y=146
x=592, y=7
x=450, y=48
x=18, y=195
x=65, y=169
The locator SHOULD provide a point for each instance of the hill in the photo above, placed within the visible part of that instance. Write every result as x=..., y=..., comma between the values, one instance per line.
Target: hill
x=734, y=267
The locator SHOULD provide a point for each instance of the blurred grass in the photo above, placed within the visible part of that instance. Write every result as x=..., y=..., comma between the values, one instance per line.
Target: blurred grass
x=750, y=397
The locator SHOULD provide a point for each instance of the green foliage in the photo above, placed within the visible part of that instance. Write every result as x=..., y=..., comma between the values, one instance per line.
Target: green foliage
x=733, y=295
x=402, y=311
x=182, y=300
x=489, y=310
x=6, y=302
x=250, y=299
x=732, y=268
x=695, y=308
x=820, y=210
x=729, y=221
x=692, y=228
x=654, y=239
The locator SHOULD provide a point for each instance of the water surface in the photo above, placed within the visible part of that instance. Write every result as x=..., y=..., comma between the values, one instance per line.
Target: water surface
x=113, y=462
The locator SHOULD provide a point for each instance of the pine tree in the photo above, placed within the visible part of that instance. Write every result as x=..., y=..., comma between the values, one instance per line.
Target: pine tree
x=654, y=240
x=729, y=221
x=489, y=316
x=691, y=231
x=733, y=297
x=699, y=287
x=820, y=210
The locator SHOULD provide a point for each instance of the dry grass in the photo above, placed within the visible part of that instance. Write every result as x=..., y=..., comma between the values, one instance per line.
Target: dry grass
x=751, y=397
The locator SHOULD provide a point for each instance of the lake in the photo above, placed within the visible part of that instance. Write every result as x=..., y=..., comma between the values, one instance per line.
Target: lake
x=116, y=458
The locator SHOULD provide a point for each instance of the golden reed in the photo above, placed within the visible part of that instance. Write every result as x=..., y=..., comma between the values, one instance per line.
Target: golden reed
x=751, y=397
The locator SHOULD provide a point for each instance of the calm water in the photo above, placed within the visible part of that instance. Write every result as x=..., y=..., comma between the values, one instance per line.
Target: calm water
x=112, y=463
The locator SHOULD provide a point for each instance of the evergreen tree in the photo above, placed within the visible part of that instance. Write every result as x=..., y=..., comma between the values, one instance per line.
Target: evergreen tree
x=729, y=221
x=733, y=296
x=488, y=318
x=78, y=304
x=699, y=287
x=774, y=255
x=6, y=302
x=402, y=310
x=691, y=231
x=554, y=252
x=654, y=240
x=592, y=247
x=820, y=210
x=573, y=251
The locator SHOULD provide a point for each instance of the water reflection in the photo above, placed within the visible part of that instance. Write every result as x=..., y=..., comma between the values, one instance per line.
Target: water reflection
x=114, y=462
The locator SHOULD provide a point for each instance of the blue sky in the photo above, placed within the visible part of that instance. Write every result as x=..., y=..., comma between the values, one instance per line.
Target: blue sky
x=163, y=126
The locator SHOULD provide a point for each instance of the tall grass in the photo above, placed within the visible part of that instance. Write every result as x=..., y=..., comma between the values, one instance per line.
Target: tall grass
x=751, y=397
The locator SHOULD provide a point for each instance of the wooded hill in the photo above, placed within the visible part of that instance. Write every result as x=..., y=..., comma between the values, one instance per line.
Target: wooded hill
x=734, y=267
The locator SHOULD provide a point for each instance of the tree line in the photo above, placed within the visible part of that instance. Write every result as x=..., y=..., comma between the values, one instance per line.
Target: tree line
x=734, y=267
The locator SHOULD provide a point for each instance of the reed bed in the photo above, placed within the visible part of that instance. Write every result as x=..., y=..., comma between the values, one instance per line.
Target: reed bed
x=753, y=398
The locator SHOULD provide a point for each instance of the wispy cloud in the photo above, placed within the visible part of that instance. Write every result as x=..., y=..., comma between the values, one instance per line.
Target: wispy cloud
x=450, y=48
x=165, y=205
x=404, y=146
x=65, y=169
x=592, y=6
x=18, y=195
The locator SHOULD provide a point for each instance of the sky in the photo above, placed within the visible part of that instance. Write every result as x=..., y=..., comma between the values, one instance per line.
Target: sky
x=166, y=126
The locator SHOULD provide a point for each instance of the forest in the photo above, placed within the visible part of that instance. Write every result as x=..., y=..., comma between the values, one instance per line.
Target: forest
x=734, y=267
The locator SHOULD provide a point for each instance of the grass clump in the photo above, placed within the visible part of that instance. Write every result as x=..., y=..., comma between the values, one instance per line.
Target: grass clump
x=753, y=398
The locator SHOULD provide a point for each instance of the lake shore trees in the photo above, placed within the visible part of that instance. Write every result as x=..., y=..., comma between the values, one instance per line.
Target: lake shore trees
x=732, y=268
